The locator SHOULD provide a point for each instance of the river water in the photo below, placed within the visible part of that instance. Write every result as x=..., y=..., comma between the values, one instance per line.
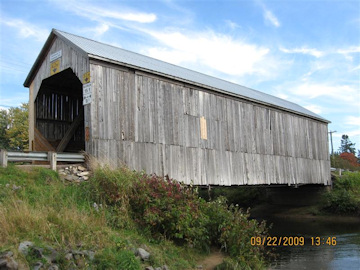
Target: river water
x=344, y=255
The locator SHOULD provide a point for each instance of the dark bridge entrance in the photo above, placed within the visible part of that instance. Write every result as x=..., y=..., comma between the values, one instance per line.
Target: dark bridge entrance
x=59, y=114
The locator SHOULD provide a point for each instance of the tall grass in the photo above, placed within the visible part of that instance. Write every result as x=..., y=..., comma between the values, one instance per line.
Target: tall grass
x=38, y=206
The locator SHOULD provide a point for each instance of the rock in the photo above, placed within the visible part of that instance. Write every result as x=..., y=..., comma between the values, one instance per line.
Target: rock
x=143, y=254
x=24, y=247
x=149, y=268
x=85, y=178
x=90, y=254
x=165, y=267
x=96, y=207
x=71, y=178
x=81, y=168
x=15, y=187
x=158, y=268
x=199, y=267
x=7, y=261
x=83, y=173
x=69, y=256
x=37, y=266
x=53, y=267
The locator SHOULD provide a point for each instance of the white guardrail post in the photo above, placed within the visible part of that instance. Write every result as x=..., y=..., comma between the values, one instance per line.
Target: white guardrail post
x=52, y=157
x=3, y=158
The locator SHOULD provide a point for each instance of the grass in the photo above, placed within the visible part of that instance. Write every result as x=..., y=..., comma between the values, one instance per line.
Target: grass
x=37, y=206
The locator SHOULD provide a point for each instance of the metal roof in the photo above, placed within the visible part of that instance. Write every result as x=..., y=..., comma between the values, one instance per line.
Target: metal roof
x=110, y=53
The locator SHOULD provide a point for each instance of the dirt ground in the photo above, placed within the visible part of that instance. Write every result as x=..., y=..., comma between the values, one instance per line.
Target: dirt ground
x=212, y=260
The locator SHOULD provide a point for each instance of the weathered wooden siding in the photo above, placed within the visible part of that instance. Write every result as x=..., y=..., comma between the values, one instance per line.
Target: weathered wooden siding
x=55, y=111
x=153, y=124
x=74, y=59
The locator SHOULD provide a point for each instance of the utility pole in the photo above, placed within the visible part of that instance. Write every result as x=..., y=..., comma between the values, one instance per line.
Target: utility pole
x=332, y=148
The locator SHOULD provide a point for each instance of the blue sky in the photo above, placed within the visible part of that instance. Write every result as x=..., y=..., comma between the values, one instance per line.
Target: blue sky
x=307, y=52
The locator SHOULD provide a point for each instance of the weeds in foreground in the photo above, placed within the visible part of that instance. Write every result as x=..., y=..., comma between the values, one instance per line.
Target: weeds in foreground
x=136, y=209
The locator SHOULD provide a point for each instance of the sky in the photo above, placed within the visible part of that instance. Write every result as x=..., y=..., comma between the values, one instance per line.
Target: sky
x=307, y=52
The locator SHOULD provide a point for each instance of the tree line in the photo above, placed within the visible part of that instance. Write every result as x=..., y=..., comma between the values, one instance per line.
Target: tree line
x=14, y=128
x=346, y=157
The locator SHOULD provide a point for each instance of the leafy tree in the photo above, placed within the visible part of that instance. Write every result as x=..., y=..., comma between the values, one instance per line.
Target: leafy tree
x=346, y=145
x=14, y=127
x=4, y=123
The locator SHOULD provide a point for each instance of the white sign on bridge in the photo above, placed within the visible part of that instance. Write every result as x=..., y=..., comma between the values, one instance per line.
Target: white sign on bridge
x=86, y=93
x=55, y=55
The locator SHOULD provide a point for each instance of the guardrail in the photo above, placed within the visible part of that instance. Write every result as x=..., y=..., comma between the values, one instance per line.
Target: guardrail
x=52, y=157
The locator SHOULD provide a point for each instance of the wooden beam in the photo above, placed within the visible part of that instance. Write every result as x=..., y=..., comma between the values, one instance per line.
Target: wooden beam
x=41, y=143
x=70, y=132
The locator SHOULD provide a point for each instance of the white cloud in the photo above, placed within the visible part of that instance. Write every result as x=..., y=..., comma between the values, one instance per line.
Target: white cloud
x=314, y=108
x=26, y=29
x=101, y=29
x=98, y=13
x=353, y=49
x=315, y=90
x=270, y=17
x=353, y=121
x=232, y=25
x=212, y=50
x=304, y=50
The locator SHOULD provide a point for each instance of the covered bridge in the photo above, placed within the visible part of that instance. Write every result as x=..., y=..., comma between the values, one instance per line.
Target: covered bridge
x=127, y=108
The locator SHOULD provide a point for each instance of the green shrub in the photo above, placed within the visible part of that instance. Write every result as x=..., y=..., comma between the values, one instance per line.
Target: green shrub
x=344, y=198
x=230, y=228
x=166, y=209
x=169, y=209
x=112, y=189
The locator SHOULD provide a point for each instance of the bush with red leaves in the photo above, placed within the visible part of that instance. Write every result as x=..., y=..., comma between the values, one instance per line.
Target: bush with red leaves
x=350, y=157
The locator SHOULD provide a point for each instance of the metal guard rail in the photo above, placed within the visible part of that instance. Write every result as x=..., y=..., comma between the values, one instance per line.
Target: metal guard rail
x=52, y=157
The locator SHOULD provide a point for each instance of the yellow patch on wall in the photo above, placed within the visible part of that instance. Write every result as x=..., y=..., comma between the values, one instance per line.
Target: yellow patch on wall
x=203, y=129
x=86, y=77
x=55, y=67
